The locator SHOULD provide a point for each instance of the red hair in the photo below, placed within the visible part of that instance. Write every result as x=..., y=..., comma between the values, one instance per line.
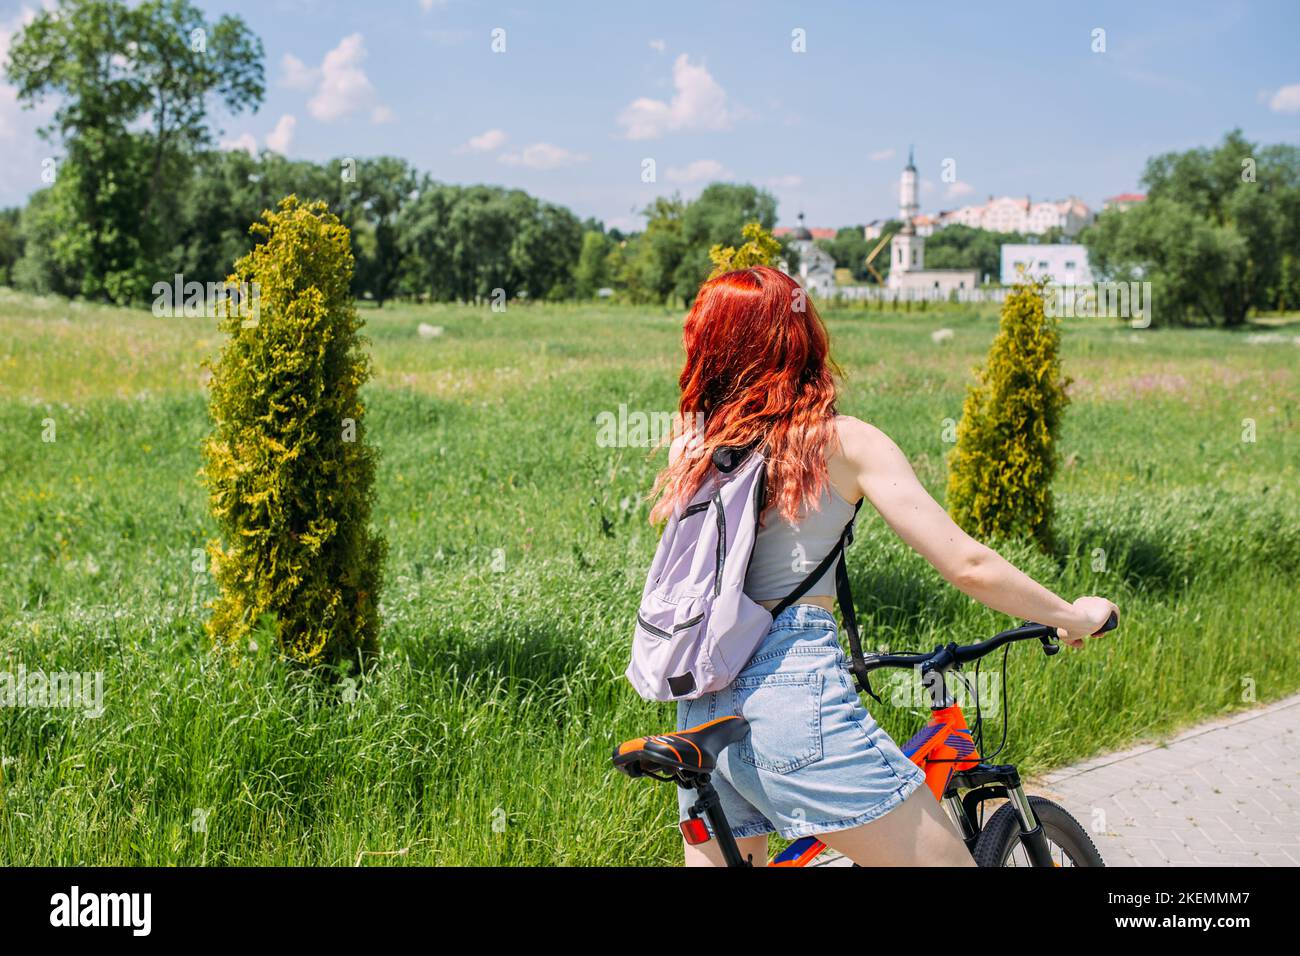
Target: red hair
x=757, y=370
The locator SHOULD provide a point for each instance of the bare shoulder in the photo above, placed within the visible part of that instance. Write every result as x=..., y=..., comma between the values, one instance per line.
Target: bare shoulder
x=861, y=442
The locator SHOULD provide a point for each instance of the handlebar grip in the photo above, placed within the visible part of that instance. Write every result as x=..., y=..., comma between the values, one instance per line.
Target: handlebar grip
x=1112, y=622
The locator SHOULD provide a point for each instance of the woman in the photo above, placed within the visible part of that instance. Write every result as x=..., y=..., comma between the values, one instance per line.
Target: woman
x=817, y=764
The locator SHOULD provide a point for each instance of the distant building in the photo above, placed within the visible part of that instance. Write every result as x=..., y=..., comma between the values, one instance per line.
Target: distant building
x=1062, y=264
x=1124, y=201
x=1010, y=214
x=783, y=231
x=816, y=265
x=925, y=225
x=907, y=271
x=1001, y=214
x=908, y=206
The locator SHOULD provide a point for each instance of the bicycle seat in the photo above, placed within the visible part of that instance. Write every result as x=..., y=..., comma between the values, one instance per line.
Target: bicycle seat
x=692, y=751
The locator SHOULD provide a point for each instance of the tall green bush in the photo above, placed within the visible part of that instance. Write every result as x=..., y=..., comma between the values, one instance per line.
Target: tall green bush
x=289, y=473
x=1000, y=472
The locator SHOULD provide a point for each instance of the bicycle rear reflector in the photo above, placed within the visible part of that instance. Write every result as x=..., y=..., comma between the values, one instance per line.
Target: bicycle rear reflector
x=695, y=831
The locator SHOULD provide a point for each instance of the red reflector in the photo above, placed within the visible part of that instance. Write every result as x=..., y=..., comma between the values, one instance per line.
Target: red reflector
x=695, y=831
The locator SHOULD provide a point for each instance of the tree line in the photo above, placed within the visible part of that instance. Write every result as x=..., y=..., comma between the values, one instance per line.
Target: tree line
x=1217, y=237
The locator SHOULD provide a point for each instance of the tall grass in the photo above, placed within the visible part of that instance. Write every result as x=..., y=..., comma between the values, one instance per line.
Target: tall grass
x=517, y=550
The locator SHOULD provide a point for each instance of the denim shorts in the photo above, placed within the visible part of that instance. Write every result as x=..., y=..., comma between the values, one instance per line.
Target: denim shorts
x=814, y=760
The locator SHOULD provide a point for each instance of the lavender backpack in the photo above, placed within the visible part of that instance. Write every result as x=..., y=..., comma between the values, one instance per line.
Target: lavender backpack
x=696, y=629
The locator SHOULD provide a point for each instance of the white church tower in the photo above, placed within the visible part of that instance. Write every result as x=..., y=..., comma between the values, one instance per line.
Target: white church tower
x=908, y=207
x=906, y=249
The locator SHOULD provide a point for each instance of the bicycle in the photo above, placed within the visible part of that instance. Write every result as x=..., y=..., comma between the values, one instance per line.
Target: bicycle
x=1026, y=829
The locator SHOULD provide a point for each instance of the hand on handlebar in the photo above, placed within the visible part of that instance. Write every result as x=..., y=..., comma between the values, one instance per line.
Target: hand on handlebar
x=1095, y=617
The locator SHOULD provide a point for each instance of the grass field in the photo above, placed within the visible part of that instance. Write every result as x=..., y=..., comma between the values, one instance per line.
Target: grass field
x=517, y=550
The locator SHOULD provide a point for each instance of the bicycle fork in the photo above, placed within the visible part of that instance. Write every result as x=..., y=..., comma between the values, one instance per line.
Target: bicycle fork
x=988, y=782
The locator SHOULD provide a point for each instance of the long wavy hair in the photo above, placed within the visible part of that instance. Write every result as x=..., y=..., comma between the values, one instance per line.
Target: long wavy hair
x=757, y=370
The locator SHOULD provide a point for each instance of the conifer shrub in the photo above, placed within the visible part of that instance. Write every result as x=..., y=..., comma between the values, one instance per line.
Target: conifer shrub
x=1000, y=472
x=289, y=474
x=760, y=248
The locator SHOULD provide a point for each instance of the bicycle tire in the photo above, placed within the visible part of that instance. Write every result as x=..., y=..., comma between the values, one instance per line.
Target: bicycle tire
x=1002, y=834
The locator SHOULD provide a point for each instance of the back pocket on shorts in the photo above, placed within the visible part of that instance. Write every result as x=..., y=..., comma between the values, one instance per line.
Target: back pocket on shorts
x=785, y=719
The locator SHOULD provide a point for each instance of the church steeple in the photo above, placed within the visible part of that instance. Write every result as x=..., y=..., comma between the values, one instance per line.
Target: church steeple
x=908, y=207
x=801, y=231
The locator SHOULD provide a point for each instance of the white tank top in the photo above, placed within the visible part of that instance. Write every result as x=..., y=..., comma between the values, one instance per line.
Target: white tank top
x=784, y=553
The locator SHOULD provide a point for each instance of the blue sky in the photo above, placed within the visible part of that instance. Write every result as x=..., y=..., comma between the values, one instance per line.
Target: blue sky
x=584, y=93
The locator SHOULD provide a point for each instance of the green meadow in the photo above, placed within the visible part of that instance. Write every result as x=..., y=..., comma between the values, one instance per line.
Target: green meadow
x=518, y=544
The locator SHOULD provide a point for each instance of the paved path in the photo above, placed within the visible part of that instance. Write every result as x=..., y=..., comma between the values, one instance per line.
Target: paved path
x=1225, y=793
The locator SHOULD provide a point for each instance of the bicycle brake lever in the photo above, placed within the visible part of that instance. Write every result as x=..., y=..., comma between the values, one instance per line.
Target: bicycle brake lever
x=1050, y=646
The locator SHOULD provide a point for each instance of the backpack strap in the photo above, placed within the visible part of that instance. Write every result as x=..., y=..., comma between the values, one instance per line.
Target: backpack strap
x=844, y=595
x=857, y=664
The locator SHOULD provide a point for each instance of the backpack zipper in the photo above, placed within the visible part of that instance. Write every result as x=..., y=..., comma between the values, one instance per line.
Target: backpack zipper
x=667, y=635
x=722, y=544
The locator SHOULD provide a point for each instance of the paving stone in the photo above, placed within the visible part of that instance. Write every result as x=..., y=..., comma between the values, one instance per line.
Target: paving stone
x=1226, y=793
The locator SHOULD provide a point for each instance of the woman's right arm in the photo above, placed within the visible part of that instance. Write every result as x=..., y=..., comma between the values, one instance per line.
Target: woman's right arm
x=886, y=479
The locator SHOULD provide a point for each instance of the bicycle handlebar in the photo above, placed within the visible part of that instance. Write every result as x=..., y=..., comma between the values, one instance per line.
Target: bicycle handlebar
x=946, y=656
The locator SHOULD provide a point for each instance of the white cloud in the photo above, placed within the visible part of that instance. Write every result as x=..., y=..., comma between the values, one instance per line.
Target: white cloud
x=697, y=171
x=880, y=154
x=543, y=156
x=298, y=75
x=698, y=103
x=427, y=5
x=959, y=188
x=339, y=86
x=486, y=142
x=344, y=87
x=247, y=142
x=659, y=46
x=789, y=181
x=1286, y=99
x=280, y=138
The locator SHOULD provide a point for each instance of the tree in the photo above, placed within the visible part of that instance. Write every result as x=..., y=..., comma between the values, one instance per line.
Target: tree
x=715, y=218
x=371, y=204
x=115, y=69
x=592, y=272
x=1217, y=237
x=545, y=248
x=11, y=243
x=850, y=249
x=760, y=248
x=1196, y=268
x=650, y=272
x=1001, y=469
x=289, y=473
x=963, y=247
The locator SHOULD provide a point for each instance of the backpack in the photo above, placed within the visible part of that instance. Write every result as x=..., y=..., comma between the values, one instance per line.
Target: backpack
x=696, y=628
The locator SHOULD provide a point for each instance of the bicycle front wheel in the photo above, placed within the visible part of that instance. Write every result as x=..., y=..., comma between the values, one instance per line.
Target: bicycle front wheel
x=999, y=842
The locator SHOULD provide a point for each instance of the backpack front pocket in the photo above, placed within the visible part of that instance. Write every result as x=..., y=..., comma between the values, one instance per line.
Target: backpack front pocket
x=667, y=656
